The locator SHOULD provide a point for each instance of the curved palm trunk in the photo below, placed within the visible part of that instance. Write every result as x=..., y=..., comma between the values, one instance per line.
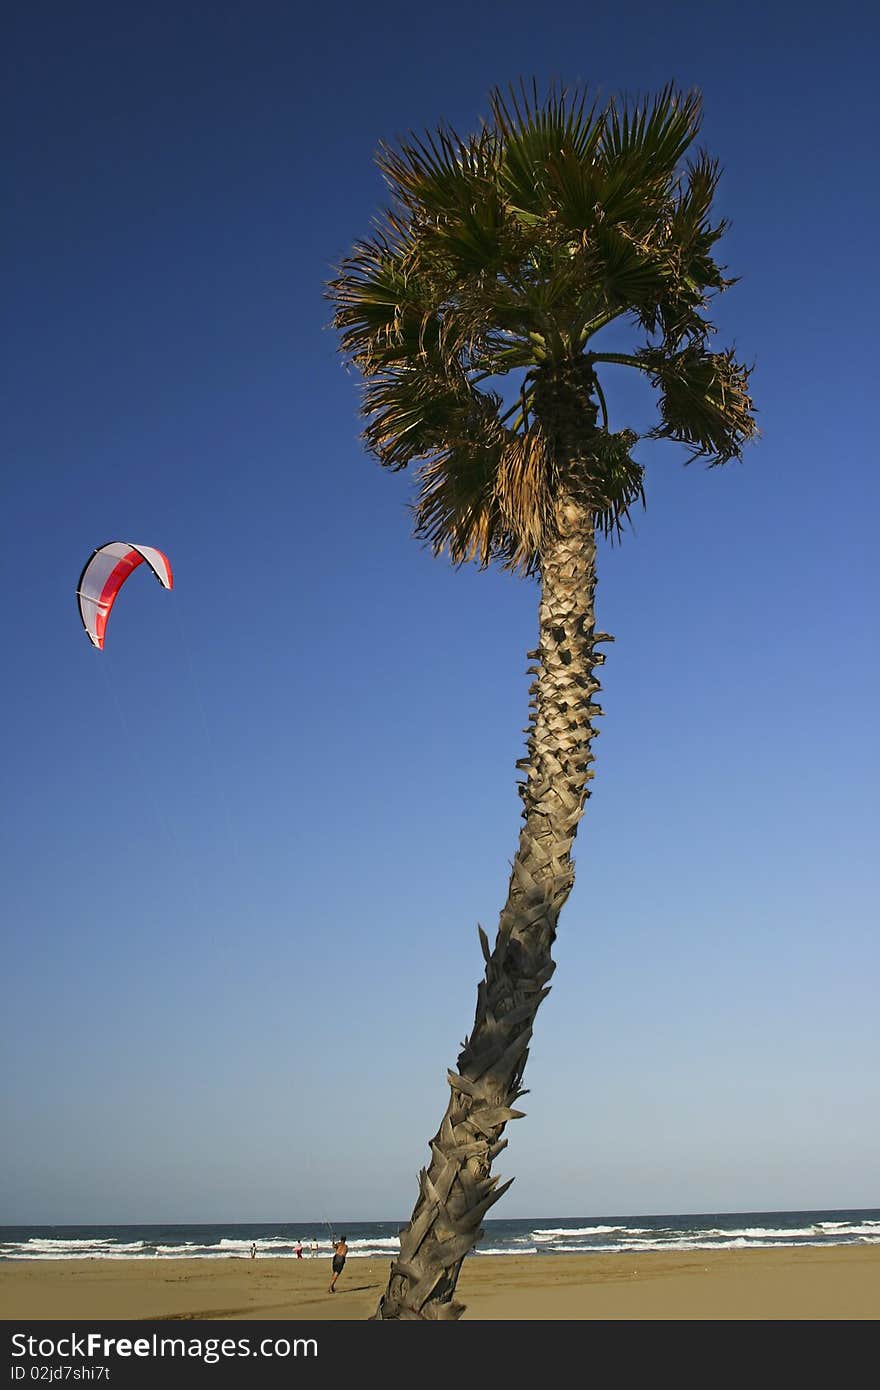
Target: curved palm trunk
x=457, y=1189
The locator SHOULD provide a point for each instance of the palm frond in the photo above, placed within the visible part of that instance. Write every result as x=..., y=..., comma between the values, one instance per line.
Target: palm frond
x=439, y=171
x=382, y=312
x=704, y=401
x=543, y=144
x=649, y=141
x=526, y=488
x=416, y=409
x=615, y=481
x=455, y=509
x=694, y=276
x=630, y=272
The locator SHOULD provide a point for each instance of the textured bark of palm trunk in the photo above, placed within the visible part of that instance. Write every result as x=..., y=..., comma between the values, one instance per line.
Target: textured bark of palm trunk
x=458, y=1188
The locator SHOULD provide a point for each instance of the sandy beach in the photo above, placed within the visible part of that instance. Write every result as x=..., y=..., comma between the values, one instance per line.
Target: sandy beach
x=841, y=1282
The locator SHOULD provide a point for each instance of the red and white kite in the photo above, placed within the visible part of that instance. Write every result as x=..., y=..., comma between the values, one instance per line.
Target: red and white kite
x=105, y=572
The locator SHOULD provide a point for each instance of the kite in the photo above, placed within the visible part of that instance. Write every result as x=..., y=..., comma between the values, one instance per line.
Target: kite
x=104, y=574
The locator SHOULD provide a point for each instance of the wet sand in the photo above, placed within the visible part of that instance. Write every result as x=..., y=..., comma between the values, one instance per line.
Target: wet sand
x=839, y=1282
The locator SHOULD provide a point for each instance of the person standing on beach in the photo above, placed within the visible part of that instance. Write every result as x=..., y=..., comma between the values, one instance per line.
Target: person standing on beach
x=339, y=1253
x=253, y=1250
x=299, y=1250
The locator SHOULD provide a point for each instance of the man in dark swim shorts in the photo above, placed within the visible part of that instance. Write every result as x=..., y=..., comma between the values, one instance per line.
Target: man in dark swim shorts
x=339, y=1253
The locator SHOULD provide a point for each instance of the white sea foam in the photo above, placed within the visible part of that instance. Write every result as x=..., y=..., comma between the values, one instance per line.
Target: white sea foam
x=633, y=1247
x=768, y=1232
x=786, y=1233
x=549, y=1232
x=227, y=1243
x=79, y=1248
x=46, y=1243
x=188, y=1250
x=381, y=1242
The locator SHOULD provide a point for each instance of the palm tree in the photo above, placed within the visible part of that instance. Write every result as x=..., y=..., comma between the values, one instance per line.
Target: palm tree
x=472, y=311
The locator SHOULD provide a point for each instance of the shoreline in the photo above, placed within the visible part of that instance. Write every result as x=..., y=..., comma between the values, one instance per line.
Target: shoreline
x=784, y=1283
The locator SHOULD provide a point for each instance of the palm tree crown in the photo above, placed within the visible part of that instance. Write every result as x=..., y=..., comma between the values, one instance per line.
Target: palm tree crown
x=500, y=259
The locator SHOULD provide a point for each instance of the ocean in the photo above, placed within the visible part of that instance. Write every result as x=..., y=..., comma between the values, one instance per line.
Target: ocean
x=753, y=1230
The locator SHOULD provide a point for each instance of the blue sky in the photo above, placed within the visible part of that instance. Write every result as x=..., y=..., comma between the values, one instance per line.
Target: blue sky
x=245, y=850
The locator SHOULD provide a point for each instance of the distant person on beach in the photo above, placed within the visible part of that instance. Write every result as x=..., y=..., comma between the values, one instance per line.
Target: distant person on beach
x=253, y=1250
x=299, y=1250
x=339, y=1253
x=314, y=1247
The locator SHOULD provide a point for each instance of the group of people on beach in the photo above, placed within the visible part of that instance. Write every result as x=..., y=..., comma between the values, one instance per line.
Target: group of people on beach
x=340, y=1250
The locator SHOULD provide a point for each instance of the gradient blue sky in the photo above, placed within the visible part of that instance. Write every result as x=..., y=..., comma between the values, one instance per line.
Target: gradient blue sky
x=244, y=852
